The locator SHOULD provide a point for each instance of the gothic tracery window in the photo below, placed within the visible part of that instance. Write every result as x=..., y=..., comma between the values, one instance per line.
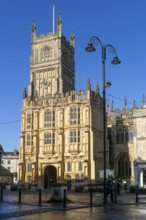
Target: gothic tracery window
x=124, y=166
x=74, y=136
x=29, y=167
x=46, y=54
x=49, y=138
x=28, y=140
x=29, y=120
x=122, y=135
x=74, y=115
x=49, y=118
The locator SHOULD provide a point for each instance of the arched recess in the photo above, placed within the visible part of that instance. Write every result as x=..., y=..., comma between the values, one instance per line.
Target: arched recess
x=50, y=176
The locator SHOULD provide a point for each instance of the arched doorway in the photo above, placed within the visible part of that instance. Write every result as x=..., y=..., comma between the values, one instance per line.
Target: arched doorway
x=140, y=172
x=50, y=176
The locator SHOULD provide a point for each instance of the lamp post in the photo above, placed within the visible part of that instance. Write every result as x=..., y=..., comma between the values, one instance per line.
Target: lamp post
x=91, y=48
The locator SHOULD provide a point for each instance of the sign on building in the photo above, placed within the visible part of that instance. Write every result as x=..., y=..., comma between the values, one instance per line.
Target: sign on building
x=108, y=173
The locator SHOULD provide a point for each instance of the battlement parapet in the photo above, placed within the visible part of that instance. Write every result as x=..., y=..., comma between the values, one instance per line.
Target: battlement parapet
x=59, y=99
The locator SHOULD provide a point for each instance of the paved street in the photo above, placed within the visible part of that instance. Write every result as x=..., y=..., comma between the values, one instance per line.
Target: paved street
x=128, y=212
x=79, y=207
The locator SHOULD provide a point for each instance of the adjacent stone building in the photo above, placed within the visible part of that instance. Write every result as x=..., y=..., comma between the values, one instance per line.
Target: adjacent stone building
x=61, y=130
x=8, y=166
x=139, y=141
x=10, y=160
x=120, y=133
x=6, y=177
x=127, y=141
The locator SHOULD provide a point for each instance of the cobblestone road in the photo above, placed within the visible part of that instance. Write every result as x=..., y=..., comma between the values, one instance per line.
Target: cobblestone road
x=79, y=207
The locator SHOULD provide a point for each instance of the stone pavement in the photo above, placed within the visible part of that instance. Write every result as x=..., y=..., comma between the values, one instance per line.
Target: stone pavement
x=79, y=207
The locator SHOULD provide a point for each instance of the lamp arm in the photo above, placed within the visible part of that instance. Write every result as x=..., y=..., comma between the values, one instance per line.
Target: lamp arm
x=95, y=40
x=111, y=49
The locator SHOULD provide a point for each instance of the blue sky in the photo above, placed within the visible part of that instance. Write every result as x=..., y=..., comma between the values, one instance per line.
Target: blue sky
x=121, y=23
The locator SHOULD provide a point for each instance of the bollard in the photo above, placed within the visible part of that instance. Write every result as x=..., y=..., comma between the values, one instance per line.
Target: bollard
x=115, y=195
x=1, y=194
x=136, y=190
x=40, y=197
x=64, y=199
x=91, y=196
x=19, y=195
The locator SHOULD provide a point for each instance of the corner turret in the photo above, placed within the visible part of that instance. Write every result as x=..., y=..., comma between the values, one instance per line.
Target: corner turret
x=59, y=26
x=88, y=86
x=72, y=39
x=143, y=101
x=33, y=32
x=134, y=105
x=112, y=107
x=24, y=95
x=97, y=88
x=125, y=105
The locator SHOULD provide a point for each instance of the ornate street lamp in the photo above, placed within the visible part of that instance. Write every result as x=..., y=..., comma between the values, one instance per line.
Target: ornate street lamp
x=90, y=48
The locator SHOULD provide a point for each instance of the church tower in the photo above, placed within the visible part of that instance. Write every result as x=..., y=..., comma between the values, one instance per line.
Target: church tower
x=52, y=63
x=60, y=135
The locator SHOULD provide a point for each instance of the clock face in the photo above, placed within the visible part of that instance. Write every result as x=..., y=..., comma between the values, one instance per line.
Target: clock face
x=45, y=83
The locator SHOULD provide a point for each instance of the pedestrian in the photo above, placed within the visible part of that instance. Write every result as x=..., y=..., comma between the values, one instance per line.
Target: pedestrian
x=122, y=188
x=110, y=188
x=118, y=185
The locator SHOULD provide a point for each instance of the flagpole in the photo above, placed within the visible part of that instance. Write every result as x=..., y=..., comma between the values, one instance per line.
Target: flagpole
x=53, y=17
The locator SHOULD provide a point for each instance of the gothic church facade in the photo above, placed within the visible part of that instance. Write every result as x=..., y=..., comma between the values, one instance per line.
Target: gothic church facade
x=61, y=130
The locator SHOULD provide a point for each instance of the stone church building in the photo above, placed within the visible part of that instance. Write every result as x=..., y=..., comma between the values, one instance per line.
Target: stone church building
x=127, y=142
x=61, y=130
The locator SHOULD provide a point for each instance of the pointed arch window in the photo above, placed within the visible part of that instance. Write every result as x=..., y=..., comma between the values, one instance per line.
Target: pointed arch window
x=124, y=166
